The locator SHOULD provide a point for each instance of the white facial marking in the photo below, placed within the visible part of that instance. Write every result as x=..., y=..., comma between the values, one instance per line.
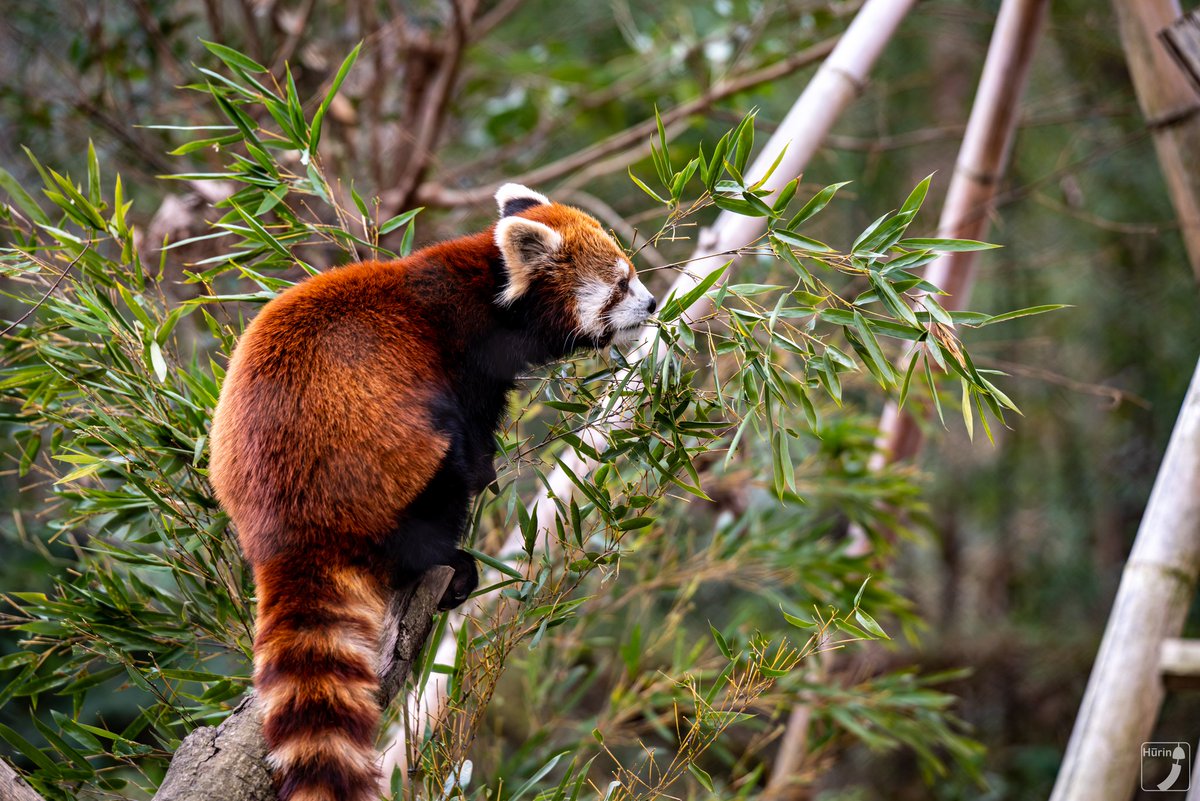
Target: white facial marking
x=590, y=300
x=632, y=311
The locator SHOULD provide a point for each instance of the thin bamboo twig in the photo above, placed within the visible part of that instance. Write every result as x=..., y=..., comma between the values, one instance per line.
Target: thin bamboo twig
x=838, y=81
x=1125, y=690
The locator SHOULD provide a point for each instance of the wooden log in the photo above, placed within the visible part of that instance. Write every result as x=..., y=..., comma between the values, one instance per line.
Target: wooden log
x=1125, y=691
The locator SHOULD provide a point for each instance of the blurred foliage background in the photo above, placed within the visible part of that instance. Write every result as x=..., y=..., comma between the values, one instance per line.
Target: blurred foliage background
x=1014, y=573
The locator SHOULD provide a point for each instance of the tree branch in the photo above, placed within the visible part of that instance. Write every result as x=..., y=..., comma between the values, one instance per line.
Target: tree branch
x=13, y=787
x=436, y=101
x=486, y=23
x=433, y=194
x=229, y=761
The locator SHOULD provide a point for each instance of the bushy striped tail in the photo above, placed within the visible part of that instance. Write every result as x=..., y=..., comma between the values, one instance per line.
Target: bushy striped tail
x=315, y=662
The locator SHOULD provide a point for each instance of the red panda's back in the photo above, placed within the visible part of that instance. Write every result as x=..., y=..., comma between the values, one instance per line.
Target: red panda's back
x=321, y=429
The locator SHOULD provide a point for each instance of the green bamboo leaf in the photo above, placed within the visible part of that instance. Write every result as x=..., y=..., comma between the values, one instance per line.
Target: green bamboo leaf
x=1028, y=312
x=34, y=754
x=23, y=199
x=868, y=623
x=798, y=622
x=801, y=242
x=701, y=776
x=945, y=245
x=785, y=196
x=232, y=57
x=915, y=198
x=904, y=386
x=314, y=136
x=895, y=304
x=722, y=644
x=93, y=175
x=967, y=414
x=813, y=206
x=158, y=362
x=496, y=564
x=677, y=306
x=645, y=188
x=399, y=220
x=886, y=374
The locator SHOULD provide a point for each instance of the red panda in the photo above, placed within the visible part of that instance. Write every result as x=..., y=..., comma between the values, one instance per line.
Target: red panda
x=357, y=420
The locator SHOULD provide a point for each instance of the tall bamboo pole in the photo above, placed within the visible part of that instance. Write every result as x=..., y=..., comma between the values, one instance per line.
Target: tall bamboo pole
x=981, y=163
x=838, y=81
x=1125, y=691
x=1171, y=108
x=982, y=160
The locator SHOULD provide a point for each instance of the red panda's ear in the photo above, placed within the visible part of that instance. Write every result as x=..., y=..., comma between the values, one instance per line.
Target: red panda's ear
x=514, y=199
x=526, y=247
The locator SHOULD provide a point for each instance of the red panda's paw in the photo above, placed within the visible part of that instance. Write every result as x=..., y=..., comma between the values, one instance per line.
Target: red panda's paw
x=466, y=579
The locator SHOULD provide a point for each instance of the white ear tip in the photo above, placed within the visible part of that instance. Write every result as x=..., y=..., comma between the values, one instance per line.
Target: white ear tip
x=516, y=192
x=502, y=231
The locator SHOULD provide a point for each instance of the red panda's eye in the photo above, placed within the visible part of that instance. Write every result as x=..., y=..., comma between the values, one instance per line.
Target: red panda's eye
x=623, y=285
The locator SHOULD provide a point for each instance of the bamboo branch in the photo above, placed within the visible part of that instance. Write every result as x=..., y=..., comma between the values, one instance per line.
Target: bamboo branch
x=837, y=82
x=981, y=163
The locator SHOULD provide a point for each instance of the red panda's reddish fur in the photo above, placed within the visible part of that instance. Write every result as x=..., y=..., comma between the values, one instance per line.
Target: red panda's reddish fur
x=323, y=438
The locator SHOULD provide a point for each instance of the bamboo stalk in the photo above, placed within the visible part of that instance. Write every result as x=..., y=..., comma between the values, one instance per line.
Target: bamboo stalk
x=982, y=160
x=838, y=81
x=1125, y=690
x=981, y=163
x=1170, y=105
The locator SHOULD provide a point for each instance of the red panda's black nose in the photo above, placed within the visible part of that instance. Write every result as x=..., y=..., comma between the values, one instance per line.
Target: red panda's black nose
x=651, y=306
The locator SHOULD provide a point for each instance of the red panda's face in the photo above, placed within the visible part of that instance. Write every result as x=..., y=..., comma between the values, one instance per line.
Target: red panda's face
x=566, y=259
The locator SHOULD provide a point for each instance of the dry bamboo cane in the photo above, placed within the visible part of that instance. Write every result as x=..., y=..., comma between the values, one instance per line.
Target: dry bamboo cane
x=1170, y=106
x=1125, y=690
x=838, y=81
x=981, y=162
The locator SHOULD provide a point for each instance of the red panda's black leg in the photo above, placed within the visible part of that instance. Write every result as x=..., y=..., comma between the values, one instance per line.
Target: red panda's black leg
x=466, y=579
x=430, y=529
